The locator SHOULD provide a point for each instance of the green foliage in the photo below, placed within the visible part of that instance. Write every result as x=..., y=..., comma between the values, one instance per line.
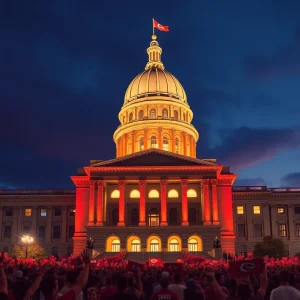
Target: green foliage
x=34, y=251
x=272, y=247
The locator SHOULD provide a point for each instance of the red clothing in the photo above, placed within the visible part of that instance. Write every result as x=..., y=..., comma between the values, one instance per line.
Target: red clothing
x=164, y=294
x=70, y=295
x=107, y=292
x=211, y=294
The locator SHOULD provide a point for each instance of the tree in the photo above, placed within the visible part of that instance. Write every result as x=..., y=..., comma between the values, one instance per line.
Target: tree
x=34, y=251
x=269, y=246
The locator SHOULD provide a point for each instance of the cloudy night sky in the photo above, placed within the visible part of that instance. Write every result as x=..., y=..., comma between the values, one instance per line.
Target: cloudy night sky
x=65, y=66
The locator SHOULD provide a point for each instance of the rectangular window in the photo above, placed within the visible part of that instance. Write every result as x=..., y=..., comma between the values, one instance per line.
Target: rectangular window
x=27, y=212
x=298, y=230
x=241, y=230
x=7, y=232
x=258, y=230
x=153, y=220
x=8, y=211
x=297, y=210
x=43, y=212
x=71, y=231
x=282, y=230
x=41, y=232
x=240, y=210
x=57, y=212
x=280, y=210
x=26, y=229
x=256, y=209
x=72, y=212
x=56, y=232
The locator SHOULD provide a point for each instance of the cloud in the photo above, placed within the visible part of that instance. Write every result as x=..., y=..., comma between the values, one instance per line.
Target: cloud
x=291, y=179
x=243, y=147
x=258, y=181
x=284, y=62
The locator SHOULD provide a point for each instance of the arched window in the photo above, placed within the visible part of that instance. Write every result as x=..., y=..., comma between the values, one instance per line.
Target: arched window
x=141, y=144
x=130, y=117
x=115, y=245
x=192, y=216
x=191, y=193
x=154, y=245
x=115, y=194
x=135, y=245
x=141, y=115
x=134, y=194
x=192, y=245
x=173, y=216
x=134, y=217
x=165, y=113
x=177, y=145
x=165, y=144
x=153, y=217
x=175, y=114
x=172, y=194
x=174, y=245
x=153, y=141
x=115, y=216
x=153, y=194
x=152, y=113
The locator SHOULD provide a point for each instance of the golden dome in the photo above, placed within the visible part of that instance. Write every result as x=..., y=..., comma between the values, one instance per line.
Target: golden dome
x=155, y=82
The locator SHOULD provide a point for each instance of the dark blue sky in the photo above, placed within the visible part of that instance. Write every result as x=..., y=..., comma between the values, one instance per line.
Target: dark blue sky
x=65, y=66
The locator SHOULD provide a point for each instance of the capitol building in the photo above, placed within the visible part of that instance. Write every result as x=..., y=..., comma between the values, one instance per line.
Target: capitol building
x=155, y=198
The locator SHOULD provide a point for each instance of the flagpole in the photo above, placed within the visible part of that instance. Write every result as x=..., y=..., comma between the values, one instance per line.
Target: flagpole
x=153, y=26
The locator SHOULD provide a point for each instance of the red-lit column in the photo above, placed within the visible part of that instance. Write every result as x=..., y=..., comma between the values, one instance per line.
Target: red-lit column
x=206, y=203
x=122, y=203
x=214, y=200
x=142, y=203
x=92, y=203
x=163, y=201
x=100, y=203
x=184, y=202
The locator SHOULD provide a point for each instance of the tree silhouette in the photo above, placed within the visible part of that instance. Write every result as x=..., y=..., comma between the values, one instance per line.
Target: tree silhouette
x=272, y=247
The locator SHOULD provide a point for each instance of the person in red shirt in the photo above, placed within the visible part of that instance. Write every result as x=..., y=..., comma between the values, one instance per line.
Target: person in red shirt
x=164, y=293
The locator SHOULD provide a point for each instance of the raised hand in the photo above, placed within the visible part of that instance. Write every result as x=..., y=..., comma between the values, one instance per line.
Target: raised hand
x=85, y=257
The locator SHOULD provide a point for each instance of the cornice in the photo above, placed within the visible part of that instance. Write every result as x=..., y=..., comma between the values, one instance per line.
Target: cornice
x=81, y=181
x=226, y=179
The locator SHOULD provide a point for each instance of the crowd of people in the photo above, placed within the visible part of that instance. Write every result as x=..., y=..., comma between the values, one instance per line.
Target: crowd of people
x=109, y=279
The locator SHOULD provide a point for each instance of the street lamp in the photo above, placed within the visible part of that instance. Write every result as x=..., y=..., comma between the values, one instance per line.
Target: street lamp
x=27, y=240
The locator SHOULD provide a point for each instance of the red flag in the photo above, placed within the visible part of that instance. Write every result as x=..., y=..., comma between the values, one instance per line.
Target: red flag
x=155, y=262
x=159, y=26
x=244, y=268
x=179, y=260
x=133, y=266
x=173, y=267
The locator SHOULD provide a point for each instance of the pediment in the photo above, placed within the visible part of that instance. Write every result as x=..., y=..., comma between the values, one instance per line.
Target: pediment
x=154, y=157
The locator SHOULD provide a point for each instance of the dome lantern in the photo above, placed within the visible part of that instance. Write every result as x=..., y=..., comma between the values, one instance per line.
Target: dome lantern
x=154, y=53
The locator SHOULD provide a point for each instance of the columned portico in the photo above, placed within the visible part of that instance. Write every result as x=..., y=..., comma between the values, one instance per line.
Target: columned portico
x=122, y=203
x=163, y=199
x=214, y=198
x=92, y=203
x=142, y=220
x=184, y=202
x=100, y=185
x=206, y=203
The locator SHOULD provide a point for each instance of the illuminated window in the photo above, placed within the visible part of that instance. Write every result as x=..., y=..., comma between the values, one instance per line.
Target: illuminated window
x=175, y=114
x=141, y=115
x=153, y=141
x=141, y=143
x=153, y=217
x=43, y=212
x=191, y=193
x=240, y=210
x=154, y=245
x=152, y=113
x=27, y=212
x=134, y=194
x=153, y=194
x=192, y=245
x=177, y=145
x=280, y=210
x=164, y=113
x=135, y=246
x=282, y=230
x=165, y=144
x=174, y=245
x=115, y=246
x=130, y=117
x=256, y=209
x=115, y=194
x=173, y=194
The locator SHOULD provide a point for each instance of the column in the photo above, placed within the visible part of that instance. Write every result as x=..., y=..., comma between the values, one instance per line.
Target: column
x=214, y=200
x=163, y=201
x=133, y=146
x=184, y=202
x=291, y=229
x=124, y=144
x=64, y=231
x=160, y=144
x=122, y=203
x=142, y=203
x=92, y=203
x=184, y=143
x=206, y=203
x=266, y=225
x=49, y=225
x=145, y=138
x=100, y=203
x=173, y=140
